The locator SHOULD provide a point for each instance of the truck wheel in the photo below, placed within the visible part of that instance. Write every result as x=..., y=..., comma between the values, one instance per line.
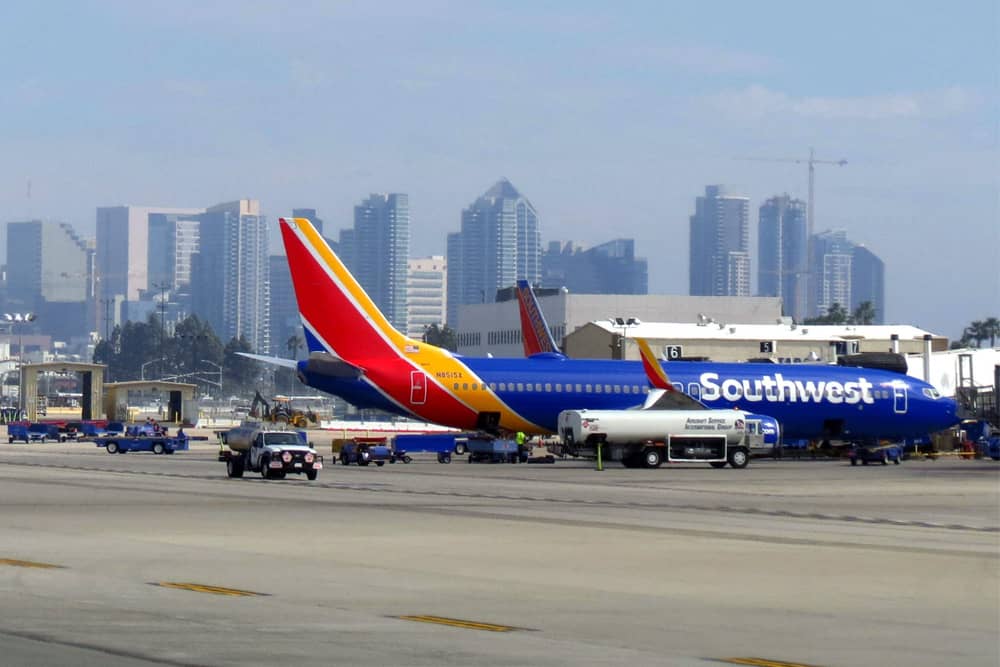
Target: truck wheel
x=265, y=470
x=362, y=462
x=380, y=463
x=278, y=474
x=717, y=464
x=112, y=447
x=311, y=475
x=460, y=448
x=409, y=459
x=444, y=457
x=651, y=457
x=739, y=458
x=158, y=448
x=234, y=466
x=896, y=459
x=43, y=440
x=854, y=460
x=885, y=458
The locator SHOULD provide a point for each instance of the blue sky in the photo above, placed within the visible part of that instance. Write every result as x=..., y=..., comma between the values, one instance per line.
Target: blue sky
x=610, y=117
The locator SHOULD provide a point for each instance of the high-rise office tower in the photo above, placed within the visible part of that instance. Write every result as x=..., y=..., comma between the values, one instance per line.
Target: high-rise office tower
x=284, y=311
x=376, y=251
x=719, y=260
x=426, y=292
x=783, y=258
x=50, y=273
x=868, y=281
x=123, y=248
x=173, y=239
x=499, y=244
x=830, y=283
x=229, y=273
x=608, y=268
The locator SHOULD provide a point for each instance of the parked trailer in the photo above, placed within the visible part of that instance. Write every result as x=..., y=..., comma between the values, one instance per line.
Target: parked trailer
x=876, y=454
x=642, y=438
x=36, y=432
x=494, y=450
x=142, y=443
x=364, y=451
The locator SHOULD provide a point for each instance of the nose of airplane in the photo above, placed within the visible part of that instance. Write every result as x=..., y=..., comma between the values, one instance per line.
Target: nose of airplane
x=948, y=409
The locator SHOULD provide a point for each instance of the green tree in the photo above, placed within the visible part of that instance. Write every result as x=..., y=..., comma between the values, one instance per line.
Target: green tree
x=441, y=337
x=835, y=314
x=195, y=343
x=991, y=327
x=240, y=373
x=863, y=314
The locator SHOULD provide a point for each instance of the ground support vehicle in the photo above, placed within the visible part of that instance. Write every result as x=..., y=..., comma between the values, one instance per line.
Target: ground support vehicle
x=274, y=453
x=36, y=432
x=647, y=438
x=876, y=454
x=117, y=444
x=992, y=448
x=364, y=451
x=494, y=450
x=400, y=455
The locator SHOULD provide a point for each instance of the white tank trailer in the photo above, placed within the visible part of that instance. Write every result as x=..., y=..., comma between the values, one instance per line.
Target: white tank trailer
x=646, y=438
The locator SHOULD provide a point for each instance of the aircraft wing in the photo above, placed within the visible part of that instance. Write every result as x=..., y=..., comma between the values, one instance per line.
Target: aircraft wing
x=273, y=361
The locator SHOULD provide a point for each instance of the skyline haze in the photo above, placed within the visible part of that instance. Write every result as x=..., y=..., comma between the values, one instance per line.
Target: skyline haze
x=610, y=120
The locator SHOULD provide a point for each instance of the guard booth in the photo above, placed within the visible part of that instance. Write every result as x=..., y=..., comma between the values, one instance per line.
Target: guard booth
x=175, y=398
x=92, y=386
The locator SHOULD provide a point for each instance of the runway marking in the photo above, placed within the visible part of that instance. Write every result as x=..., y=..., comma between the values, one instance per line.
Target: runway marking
x=459, y=623
x=763, y=662
x=28, y=563
x=205, y=588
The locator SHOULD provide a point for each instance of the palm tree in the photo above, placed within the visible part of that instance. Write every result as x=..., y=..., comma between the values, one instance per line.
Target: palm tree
x=975, y=332
x=864, y=313
x=293, y=344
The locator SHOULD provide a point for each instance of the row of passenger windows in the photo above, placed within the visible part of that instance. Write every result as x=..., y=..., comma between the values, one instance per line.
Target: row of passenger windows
x=558, y=387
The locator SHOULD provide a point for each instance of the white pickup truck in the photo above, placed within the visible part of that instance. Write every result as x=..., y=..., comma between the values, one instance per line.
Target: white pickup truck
x=271, y=452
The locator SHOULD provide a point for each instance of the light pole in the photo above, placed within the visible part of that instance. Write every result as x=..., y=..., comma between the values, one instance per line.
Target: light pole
x=14, y=319
x=142, y=369
x=219, y=371
x=624, y=323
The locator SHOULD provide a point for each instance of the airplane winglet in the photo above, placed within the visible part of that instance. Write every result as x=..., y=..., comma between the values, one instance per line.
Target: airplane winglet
x=654, y=371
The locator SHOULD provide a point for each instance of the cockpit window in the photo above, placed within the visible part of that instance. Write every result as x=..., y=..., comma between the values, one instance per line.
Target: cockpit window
x=931, y=393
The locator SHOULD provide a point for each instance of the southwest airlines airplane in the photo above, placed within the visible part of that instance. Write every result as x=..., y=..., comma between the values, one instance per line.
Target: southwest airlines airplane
x=356, y=354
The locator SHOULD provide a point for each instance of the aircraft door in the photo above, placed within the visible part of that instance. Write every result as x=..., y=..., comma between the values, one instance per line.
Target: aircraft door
x=418, y=388
x=899, y=398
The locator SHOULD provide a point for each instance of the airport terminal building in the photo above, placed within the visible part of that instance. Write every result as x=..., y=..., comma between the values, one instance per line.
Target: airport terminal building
x=495, y=328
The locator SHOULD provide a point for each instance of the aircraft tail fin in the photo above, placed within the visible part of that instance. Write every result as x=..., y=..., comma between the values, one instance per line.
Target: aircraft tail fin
x=338, y=316
x=535, y=333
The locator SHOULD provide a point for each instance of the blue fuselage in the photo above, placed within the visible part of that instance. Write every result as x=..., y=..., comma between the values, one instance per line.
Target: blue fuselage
x=809, y=401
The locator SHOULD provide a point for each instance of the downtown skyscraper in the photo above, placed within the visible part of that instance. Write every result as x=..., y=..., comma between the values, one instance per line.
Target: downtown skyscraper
x=376, y=251
x=229, y=273
x=499, y=244
x=719, y=257
x=783, y=255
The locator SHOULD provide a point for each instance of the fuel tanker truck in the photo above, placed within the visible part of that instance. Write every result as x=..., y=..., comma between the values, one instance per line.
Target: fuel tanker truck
x=647, y=438
x=272, y=452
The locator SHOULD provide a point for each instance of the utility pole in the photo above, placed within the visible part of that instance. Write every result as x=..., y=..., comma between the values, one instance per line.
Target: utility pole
x=162, y=287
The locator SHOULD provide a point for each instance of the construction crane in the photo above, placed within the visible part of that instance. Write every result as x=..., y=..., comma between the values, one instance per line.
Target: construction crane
x=812, y=162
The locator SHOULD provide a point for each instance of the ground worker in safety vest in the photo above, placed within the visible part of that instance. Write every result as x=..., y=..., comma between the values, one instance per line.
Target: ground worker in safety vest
x=520, y=438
